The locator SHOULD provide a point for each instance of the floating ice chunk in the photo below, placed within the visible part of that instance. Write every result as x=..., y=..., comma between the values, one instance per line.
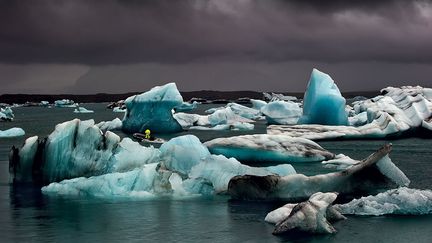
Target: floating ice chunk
x=323, y=102
x=65, y=103
x=309, y=216
x=282, y=112
x=269, y=148
x=12, y=132
x=359, y=178
x=6, y=114
x=187, y=120
x=180, y=154
x=397, y=201
x=115, y=124
x=236, y=126
x=278, y=97
x=226, y=116
x=152, y=110
x=257, y=104
x=81, y=109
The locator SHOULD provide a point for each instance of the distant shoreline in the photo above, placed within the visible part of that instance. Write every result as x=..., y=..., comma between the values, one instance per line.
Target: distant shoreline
x=205, y=94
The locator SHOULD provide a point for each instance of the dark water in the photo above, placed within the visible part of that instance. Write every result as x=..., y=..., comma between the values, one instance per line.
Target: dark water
x=27, y=215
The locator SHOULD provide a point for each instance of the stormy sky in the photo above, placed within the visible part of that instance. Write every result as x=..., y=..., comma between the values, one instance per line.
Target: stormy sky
x=114, y=46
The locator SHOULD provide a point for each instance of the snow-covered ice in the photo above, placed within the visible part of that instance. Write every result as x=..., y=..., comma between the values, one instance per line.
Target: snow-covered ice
x=269, y=148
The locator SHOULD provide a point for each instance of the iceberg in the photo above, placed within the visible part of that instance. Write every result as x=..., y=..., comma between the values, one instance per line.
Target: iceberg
x=6, y=114
x=397, y=112
x=12, y=132
x=115, y=124
x=323, y=103
x=282, y=112
x=280, y=214
x=182, y=166
x=372, y=174
x=81, y=109
x=152, y=110
x=75, y=149
x=402, y=200
x=311, y=216
x=269, y=148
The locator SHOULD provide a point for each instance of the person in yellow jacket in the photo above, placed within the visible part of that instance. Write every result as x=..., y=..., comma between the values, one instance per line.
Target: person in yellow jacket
x=147, y=134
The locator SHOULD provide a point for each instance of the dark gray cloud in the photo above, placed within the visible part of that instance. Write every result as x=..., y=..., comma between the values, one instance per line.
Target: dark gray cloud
x=167, y=31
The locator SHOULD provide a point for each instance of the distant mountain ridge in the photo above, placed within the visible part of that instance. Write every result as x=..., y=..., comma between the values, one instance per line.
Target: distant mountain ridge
x=187, y=95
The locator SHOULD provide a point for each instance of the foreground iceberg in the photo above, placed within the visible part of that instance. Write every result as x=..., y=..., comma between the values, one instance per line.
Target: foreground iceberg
x=6, y=114
x=311, y=216
x=269, y=148
x=152, y=110
x=81, y=109
x=323, y=103
x=398, y=112
x=402, y=200
x=12, y=132
x=76, y=148
x=373, y=173
x=282, y=112
x=257, y=104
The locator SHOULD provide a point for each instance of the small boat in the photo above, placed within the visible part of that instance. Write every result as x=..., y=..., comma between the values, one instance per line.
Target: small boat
x=141, y=137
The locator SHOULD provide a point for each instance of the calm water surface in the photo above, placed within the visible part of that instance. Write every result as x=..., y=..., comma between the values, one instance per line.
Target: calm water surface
x=27, y=215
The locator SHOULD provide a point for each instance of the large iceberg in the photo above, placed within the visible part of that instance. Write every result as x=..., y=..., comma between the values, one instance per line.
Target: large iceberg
x=323, y=103
x=374, y=173
x=282, y=112
x=399, y=111
x=269, y=148
x=77, y=148
x=6, y=114
x=12, y=132
x=402, y=200
x=153, y=110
